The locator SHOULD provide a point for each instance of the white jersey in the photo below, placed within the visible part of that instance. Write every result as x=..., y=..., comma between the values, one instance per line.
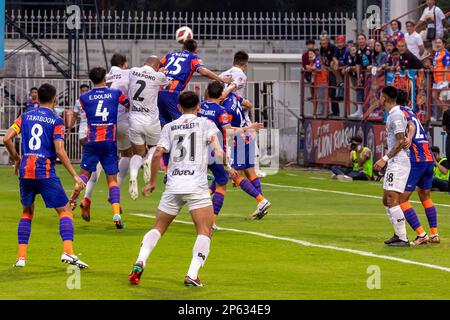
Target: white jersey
x=187, y=140
x=78, y=109
x=396, y=123
x=144, y=85
x=117, y=78
x=238, y=77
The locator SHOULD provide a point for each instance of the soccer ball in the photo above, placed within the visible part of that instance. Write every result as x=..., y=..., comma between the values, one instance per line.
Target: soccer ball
x=184, y=33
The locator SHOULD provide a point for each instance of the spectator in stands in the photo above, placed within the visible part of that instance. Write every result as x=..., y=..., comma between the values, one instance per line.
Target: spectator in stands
x=328, y=55
x=407, y=59
x=310, y=45
x=341, y=54
x=363, y=60
x=441, y=172
x=320, y=82
x=441, y=75
x=360, y=163
x=396, y=35
x=389, y=47
x=32, y=102
x=432, y=22
x=413, y=40
x=393, y=61
x=379, y=58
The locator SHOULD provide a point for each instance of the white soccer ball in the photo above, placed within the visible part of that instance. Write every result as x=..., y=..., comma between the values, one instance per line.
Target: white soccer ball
x=184, y=33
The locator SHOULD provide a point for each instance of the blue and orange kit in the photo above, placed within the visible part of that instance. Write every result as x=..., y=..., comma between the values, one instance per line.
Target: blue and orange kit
x=39, y=128
x=420, y=148
x=180, y=66
x=100, y=106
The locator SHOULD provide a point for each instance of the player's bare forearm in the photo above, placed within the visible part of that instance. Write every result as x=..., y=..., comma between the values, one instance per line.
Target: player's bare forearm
x=156, y=161
x=209, y=74
x=398, y=145
x=8, y=141
x=411, y=129
x=229, y=90
x=247, y=104
x=62, y=155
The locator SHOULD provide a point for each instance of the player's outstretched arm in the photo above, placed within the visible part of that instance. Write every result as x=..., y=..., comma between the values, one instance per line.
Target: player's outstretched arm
x=8, y=141
x=209, y=74
x=62, y=155
x=156, y=161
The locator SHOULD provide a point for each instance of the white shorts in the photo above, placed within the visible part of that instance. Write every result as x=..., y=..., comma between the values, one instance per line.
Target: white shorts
x=172, y=203
x=144, y=134
x=123, y=141
x=82, y=131
x=396, y=176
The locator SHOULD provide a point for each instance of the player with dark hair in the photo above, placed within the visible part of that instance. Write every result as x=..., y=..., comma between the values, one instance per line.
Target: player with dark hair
x=33, y=101
x=420, y=177
x=398, y=166
x=212, y=110
x=187, y=139
x=42, y=135
x=101, y=108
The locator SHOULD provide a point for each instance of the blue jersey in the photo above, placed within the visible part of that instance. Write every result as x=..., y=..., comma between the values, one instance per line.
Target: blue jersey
x=216, y=113
x=101, y=106
x=233, y=106
x=420, y=147
x=180, y=66
x=39, y=128
x=31, y=105
x=342, y=55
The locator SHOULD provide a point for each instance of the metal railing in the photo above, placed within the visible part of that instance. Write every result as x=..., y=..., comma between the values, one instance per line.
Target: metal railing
x=427, y=98
x=275, y=104
x=150, y=25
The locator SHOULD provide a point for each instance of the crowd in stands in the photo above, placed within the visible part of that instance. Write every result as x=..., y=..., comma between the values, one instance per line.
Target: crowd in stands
x=422, y=45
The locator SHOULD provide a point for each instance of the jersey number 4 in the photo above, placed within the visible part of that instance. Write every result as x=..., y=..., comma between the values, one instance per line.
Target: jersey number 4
x=101, y=112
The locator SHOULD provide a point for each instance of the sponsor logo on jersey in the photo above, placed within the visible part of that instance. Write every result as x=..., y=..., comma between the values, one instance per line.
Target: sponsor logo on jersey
x=178, y=172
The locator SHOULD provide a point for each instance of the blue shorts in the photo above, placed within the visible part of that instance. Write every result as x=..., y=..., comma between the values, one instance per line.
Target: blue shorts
x=421, y=175
x=103, y=152
x=243, y=156
x=219, y=173
x=168, y=107
x=51, y=190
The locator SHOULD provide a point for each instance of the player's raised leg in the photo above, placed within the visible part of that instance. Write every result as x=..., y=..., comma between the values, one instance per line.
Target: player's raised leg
x=139, y=152
x=151, y=238
x=247, y=187
x=85, y=204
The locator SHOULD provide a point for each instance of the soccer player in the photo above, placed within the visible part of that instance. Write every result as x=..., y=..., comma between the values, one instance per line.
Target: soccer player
x=420, y=177
x=243, y=154
x=212, y=110
x=33, y=102
x=237, y=85
x=187, y=140
x=101, y=108
x=145, y=128
x=398, y=166
x=179, y=67
x=116, y=78
x=42, y=135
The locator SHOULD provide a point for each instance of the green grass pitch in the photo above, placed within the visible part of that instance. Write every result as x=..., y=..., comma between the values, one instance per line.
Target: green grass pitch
x=240, y=265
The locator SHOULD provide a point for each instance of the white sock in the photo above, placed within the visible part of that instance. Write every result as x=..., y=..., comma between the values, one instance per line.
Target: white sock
x=92, y=182
x=398, y=221
x=124, y=165
x=148, y=243
x=199, y=255
x=135, y=165
x=149, y=155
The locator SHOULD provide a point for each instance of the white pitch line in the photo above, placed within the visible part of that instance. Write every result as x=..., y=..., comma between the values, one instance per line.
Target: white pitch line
x=341, y=192
x=314, y=245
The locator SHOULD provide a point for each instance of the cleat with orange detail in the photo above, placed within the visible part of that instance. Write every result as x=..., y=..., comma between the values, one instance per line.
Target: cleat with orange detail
x=136, y=272
x=85, y=206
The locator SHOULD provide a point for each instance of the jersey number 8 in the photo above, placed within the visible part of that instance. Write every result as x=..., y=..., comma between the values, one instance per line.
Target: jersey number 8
x=36, y=133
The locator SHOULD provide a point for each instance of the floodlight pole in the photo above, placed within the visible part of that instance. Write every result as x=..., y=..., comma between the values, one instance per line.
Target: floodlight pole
x=359, y=16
